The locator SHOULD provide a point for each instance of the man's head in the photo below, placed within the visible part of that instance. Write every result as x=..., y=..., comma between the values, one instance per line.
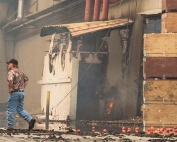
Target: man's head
x=13, y=63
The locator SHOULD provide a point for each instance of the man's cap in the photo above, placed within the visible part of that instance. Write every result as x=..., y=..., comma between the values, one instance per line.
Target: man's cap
x=13, y=61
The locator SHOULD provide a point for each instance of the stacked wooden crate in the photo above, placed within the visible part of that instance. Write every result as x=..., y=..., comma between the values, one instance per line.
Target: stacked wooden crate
x=160, y=71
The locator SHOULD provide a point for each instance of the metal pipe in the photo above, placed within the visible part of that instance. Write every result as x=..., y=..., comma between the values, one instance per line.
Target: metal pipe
x=47, y=110
x=20, y=14
x=88, y=10
x=97, y=7
x=105, y=10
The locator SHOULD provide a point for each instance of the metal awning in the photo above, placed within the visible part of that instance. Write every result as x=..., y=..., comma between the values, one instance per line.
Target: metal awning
x=76, y=29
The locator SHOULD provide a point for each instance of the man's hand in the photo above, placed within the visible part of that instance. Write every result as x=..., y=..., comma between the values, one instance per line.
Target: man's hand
x=10, y=90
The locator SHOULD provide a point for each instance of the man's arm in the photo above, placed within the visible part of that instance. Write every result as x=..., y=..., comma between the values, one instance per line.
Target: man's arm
x=25, y=84
x=10, y=83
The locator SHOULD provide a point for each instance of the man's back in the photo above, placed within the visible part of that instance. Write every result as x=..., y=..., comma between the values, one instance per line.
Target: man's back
x=18, y=77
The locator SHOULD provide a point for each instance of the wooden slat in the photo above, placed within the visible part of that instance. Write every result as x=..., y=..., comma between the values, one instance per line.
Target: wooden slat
x=159, y=114
x=169, y=22
x=161, y=55
x=160, y=67
x=160, y=90
x=160, y=44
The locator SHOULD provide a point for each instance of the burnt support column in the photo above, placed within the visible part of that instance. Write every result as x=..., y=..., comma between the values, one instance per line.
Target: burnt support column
x=97, y=6
x=105, y=10
x=88, y=10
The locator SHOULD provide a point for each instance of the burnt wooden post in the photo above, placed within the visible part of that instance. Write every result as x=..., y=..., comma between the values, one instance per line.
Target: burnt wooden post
x=47, y=110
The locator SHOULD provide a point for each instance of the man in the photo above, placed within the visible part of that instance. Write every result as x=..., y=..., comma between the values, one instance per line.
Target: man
x=17, y=81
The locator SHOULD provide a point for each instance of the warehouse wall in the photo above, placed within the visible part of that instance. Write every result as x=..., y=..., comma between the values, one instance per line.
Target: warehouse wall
x=29, y=49
x=3, y=67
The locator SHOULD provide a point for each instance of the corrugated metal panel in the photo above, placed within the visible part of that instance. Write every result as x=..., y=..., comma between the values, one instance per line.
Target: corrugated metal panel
x=77, y=29
x=60, y=4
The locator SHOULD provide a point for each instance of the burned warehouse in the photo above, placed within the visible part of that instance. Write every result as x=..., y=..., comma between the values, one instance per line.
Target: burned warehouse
x=91, y=60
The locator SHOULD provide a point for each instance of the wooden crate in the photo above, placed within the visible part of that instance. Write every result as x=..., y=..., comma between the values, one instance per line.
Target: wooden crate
x=169, y=5
x=160, y=90
x=159, y=114
x=169, y=22
x=160, y=45
x=160, y=67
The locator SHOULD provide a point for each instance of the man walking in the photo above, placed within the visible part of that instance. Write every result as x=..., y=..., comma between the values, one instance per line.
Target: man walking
x=17, y=81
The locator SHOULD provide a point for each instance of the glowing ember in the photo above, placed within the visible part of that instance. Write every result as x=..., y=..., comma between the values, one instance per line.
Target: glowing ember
x=111, y=105
x=109, y=108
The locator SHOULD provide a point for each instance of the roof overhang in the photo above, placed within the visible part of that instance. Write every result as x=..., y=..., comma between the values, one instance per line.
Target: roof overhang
x=151, y=12
x=77, y=29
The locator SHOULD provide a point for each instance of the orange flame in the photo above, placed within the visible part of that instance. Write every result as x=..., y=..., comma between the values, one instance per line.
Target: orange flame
x=110, y=105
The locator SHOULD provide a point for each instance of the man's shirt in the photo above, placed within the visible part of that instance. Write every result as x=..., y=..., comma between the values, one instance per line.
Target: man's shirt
x=18, y=78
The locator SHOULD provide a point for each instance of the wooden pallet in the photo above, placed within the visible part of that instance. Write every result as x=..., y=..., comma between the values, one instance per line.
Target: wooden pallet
x=169, y=4
x=162, y=67
x=159, y=114
x=160, y=90
x=160, y=45
x=169, y=22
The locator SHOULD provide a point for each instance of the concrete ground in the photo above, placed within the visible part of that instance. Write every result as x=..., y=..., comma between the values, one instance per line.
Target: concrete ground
x=75, y=137
x=69, y=138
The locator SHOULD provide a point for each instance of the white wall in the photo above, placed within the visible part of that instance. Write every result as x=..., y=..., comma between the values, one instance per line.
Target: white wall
x=60, y=82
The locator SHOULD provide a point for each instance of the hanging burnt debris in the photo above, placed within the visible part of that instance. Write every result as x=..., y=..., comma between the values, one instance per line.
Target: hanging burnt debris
x=58, y=43
x=93, y=48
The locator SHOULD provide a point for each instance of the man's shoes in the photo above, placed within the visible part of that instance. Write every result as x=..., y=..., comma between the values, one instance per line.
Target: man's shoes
x=31, y=124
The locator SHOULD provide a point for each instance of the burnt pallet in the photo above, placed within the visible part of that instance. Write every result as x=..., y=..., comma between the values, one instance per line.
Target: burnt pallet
x=160, y=68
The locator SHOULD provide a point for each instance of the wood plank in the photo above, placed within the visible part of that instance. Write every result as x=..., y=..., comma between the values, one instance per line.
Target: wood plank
x=169, y=22
x=159, y=114
x=160, y=90
x=161, y=67
x=160, y=44
x=169, y=4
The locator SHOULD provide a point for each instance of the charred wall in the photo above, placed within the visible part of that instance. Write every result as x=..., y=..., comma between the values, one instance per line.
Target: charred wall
x=126, y=76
